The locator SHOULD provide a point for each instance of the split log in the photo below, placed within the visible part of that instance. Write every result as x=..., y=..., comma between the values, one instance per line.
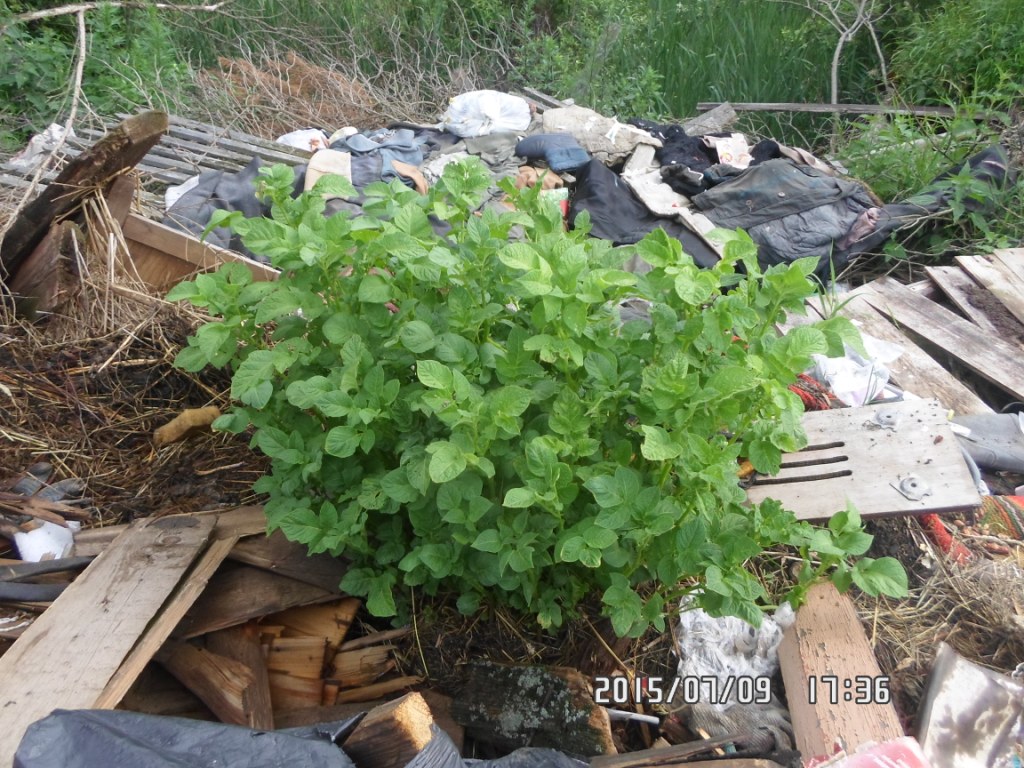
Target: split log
x=354, y=669
x=329, y=620
x=830, y=674
x=46, y=279
x=441, y=710
x=242, y=644
x=515, y=706
x=221, y=683
x=374, y=638
x=391, y=735
x=377, y=690
x=121, y=149
x=290, y=692
x=297, y=656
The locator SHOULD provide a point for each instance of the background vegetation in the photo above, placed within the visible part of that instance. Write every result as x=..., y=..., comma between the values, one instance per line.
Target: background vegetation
x=632, y=58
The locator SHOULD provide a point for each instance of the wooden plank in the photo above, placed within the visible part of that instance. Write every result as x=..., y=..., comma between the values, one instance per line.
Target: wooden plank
x=94, y=623
x=240, y=522
x=827, y=639
x=236, y=596
x=221, y=683
x=378, y=690
x=999, y=279
x=153, y=639
x=965, y=294
x=287, y=558
x=992, y=358
x=846, y=109
x=242, y=644
x=851, y=458
x=914, y=370
x=329, y=620
x=182, y=253
x=297, y=656
x=290, y=692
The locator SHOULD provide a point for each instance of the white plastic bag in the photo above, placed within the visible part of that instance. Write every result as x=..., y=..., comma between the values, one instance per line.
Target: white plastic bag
x=478, y=113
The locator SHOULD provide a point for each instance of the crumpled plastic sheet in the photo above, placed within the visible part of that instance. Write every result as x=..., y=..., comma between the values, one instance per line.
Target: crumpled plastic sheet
x=440, y=752
x=117, y=739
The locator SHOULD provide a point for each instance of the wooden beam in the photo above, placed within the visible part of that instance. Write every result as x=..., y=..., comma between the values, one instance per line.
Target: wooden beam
x=992, y=358
x=158, y=631
x=833, y=684
x=68, y=655
x=236, y=596
x=846, y=109
x=122, y=148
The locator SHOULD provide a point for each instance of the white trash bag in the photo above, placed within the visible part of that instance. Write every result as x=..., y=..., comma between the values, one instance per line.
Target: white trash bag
x=478, y=113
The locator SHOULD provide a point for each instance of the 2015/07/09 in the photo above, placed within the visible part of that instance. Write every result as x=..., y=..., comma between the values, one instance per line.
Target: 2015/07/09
x=682, y=690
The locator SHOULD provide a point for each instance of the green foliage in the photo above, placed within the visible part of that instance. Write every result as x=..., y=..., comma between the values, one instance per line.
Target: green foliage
x=963, y=50
x=469, y=414
x=130, y=62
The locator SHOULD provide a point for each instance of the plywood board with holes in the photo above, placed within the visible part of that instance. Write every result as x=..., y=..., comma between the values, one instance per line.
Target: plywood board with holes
x=68, y=655
x=897, y=458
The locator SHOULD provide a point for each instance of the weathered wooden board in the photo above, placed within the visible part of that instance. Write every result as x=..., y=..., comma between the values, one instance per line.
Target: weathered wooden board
x=965, y=294
x=999, y=279
x=159, y=630
x=914, y=370
x=164, y=256
x=236, y=596
x=852, y=458
x=288, y=558
x=994, y=359
x=68, y=655
x=827, y=640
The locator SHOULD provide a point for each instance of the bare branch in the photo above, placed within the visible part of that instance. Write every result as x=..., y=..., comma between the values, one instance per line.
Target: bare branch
x=80, y=8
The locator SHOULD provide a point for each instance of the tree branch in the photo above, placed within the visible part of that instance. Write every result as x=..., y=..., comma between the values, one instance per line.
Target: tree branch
x=80, y=8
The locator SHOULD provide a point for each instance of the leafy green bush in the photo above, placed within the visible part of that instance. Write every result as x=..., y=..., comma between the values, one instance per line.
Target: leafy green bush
x=463, y=413
x=963, y=50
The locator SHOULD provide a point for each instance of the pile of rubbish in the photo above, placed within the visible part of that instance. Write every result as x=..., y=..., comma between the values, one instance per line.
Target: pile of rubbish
x=629, y=177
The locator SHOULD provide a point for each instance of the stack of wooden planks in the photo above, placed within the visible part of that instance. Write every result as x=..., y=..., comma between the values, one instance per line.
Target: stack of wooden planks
x=253, y=629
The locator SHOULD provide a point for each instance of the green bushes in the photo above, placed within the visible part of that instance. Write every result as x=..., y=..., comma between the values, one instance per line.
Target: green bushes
x=460, y=413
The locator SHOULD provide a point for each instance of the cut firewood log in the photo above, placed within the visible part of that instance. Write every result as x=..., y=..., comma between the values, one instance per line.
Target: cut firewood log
x=46, y=281
x=242, y=644
x=297, y=656
x=354, y=669
x=391, y=735
x=831, y=677
x=290, y=692
x=220, y=683
x=243, y=593
x=329, y=620
x=513, y=706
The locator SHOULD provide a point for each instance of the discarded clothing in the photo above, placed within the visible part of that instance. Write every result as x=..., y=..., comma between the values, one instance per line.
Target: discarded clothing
x=617, y=214
x=605, y=138
x=373, y=154
x=559, y=150
x=221, y=190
